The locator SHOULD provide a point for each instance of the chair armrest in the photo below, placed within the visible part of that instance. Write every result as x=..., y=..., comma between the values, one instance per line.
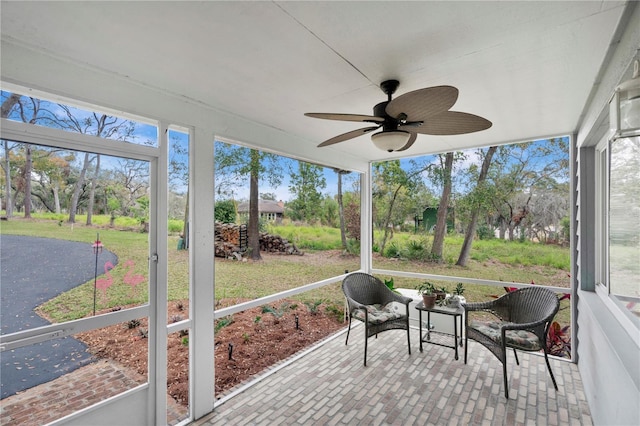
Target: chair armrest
x=354, y=305
x=405, y=300
x=479, y=306
x=388, y=296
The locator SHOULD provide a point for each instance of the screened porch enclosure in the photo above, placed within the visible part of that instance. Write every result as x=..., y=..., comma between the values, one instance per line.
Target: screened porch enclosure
x=245, y=73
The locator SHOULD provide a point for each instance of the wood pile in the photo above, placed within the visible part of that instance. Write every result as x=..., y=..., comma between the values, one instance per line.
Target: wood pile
x=231, y=242
x=227, y=240
x=277, y=244
x=228, y=233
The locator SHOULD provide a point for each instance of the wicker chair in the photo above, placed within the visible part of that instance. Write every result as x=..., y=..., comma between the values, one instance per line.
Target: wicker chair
x=369, y=300
x=523, y=320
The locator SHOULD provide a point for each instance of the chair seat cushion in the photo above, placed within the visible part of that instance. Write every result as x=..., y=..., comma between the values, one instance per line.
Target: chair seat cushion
x=378, y=313
x=522, y=339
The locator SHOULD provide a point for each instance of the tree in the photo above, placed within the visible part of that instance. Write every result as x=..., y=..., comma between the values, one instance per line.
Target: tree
x=392, y=186
x=178, y=175
x=225, y=211
x=253, y=229
x=92, y=191
x=343, y=234
x=132, y=178
x=443, y=207
x=305, y=185
x=233, y=163
x=52, y=171
x=29, y=114
x=389, y=180
x=79, y=186
x=100, y=125
x=271, y=196
x=7, y=106
x=481, y=196
x=521, y=172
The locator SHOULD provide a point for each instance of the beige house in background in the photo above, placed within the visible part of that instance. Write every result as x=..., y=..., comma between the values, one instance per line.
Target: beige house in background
x=270, y=210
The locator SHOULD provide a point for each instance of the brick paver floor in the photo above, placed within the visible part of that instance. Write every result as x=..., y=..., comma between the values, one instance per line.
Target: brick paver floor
x=74, y=391
x=330, y=386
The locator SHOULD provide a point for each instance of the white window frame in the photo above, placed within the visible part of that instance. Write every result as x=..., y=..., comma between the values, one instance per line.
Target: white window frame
x=602, y=264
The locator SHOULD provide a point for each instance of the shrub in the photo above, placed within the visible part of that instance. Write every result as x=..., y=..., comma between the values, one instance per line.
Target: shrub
x=176, y=226
x=225, y=211
x=484, y=232
x=415, y=250
x=392, y=250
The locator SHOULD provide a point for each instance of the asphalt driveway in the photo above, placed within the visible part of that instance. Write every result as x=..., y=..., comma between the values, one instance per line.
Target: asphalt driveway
x=32, y=271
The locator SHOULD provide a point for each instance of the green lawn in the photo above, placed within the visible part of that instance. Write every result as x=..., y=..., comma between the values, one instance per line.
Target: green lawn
x=493, y=259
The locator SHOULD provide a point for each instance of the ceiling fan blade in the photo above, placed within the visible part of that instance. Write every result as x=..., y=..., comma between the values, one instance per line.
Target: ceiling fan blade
x=451, y=123
x=423, y=103
x=410, y=142
x=346, y=136
x=345, y=117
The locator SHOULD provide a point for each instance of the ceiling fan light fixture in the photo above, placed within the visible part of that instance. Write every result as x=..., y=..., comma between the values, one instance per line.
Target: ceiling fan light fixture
x=390, y=140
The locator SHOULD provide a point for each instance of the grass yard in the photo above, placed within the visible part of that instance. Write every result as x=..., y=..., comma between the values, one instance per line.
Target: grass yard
x=492, y=259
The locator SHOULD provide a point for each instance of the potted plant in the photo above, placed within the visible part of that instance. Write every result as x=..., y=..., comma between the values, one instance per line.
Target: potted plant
x=441, y=293
x=454, y=300
x=427, y=290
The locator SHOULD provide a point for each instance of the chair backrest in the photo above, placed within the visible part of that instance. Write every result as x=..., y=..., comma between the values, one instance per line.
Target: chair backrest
x=531, y=304
x=365, y=289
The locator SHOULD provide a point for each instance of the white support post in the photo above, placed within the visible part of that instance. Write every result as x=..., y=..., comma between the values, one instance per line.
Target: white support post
x=201, y=271
x=158, y=291
x=158, y=240
x=366, y=221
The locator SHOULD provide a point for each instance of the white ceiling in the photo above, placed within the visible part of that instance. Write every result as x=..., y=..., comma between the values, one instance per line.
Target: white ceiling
x=529, y=67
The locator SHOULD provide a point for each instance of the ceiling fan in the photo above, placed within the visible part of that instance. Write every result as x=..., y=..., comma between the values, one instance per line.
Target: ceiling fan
x=423, y=111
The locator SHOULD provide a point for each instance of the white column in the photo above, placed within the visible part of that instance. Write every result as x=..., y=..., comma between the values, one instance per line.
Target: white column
x=158, y=291
x=366, y=221
x=201, y=271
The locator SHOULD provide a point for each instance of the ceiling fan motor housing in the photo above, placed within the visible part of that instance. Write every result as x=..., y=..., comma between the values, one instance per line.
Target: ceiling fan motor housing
x=389, y=123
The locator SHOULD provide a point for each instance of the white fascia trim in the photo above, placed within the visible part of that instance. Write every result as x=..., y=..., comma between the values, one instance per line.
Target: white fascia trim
x=39, y=135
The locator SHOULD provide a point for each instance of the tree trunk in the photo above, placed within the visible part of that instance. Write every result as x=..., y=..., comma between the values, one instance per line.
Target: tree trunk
x=56, y=198
x=343, y=235
x=73, y=208
x=471, y=230
x=185, y=227
x=7, y=179
x=92, y=193
x=387, y=219
x=254, y=215
x=503, y=228
x=28, y=166
x=7, y=106
x=441, y=220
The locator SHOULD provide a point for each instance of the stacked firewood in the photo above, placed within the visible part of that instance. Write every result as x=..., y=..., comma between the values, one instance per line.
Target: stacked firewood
x=227, y=240
x=228, y=233
x=230, y=242
x=277, y=244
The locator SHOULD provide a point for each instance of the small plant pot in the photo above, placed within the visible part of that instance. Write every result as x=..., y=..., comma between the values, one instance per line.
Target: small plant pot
x=454, y=302
x=429, y=300
x=440, y=295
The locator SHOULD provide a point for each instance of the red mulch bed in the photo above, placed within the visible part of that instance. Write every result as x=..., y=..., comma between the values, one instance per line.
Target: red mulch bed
x=259, y=340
